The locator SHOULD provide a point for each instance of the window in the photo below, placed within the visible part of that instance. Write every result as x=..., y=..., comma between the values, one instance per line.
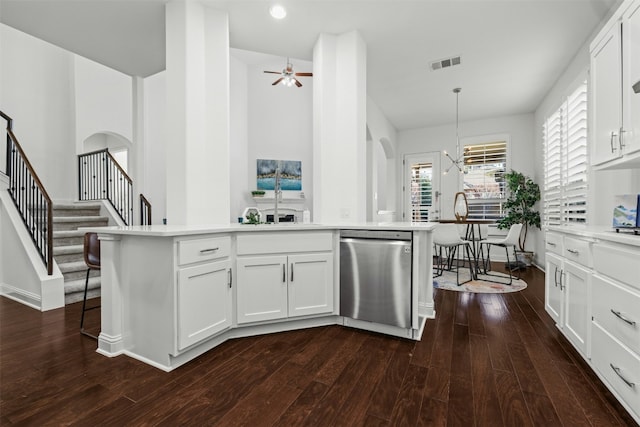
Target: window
x=421, y=191
x=566, y=162
x=484, y=167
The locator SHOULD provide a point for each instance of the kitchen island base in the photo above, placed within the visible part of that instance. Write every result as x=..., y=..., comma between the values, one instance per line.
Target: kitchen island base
x=172, y=294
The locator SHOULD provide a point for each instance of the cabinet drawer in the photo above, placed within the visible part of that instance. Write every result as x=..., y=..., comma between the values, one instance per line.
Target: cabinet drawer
x=553, y=243
x=196, y=250
x=618, y=261
x=616, y=310
x=577, y=250
x=619, y=366
x=284, y=242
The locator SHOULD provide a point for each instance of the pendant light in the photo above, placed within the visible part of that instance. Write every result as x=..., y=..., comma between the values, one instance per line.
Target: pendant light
x=457, y=162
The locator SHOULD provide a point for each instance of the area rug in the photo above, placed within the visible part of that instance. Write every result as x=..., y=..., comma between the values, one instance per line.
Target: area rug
x=482, y=286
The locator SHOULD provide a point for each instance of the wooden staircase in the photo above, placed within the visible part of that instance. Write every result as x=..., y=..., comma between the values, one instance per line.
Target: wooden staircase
x=68, y=247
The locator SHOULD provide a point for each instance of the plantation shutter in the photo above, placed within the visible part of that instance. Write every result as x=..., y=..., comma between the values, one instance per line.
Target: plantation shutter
x=484, y=168
x=421, y=191
x=575, y=158
x=566, y=161
x=553, y=169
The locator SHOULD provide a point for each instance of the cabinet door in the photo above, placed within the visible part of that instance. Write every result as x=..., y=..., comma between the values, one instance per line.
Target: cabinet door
x=553, y=295
x=631, y=45
x=310, y=284
x=606, y=105
x=576, y=300
x=262, y=288
x=203, y=302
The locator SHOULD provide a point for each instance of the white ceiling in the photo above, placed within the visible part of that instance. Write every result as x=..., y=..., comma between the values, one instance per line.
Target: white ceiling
x=512, y=50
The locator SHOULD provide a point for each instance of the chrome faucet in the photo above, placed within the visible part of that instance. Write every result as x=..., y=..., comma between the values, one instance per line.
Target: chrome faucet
x=277, y=193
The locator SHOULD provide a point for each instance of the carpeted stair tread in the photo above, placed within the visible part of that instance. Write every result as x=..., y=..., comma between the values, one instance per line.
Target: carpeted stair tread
x=66, y=219
x=69, y=267
x=78, y=285
x=69, y=249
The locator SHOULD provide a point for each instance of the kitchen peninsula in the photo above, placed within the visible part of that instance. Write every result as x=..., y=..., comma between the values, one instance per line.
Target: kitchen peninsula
x=171, y=293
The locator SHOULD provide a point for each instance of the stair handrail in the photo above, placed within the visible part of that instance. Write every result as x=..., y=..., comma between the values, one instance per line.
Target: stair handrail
x=103, y=182
x=145, y=211
x=31, y=192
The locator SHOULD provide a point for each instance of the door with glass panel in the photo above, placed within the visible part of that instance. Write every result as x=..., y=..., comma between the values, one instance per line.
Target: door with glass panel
x=421, y=187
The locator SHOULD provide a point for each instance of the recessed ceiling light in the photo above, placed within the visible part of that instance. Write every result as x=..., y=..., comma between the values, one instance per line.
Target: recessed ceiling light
x=278, y=11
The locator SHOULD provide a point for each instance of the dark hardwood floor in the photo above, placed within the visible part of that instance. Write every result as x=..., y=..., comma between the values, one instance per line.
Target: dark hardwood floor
x=487, y=360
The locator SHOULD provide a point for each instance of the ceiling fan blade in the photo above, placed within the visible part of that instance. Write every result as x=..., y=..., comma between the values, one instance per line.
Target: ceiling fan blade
x=277, y=81
x=297, y=82
x=273, y=72
x=304, y=74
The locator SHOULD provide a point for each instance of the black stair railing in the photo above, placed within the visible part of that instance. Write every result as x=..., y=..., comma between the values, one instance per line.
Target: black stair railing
x=100, y=177
x=30, y=197
x=145, y=211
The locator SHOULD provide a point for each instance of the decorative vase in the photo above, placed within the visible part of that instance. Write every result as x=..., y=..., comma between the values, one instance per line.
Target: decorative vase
x=460, y=206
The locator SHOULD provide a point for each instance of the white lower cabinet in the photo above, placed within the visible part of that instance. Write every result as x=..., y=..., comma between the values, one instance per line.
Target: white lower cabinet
x=554, y=295
x=616, y=321
x=203, y=292
x=593, y=294
x=203, y=302
x=576, y=305
x=276, y=287
x=567, y=288
x=262, y=288
x=284, y=275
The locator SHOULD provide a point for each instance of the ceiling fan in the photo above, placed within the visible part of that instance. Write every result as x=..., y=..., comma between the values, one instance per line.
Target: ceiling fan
x=288, y=77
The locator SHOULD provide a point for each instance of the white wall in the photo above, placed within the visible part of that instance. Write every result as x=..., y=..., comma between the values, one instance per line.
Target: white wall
x=519, y=128
x=103, y=101
x=36, y=90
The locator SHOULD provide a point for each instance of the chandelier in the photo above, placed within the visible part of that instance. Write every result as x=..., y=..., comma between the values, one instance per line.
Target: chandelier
x=459, y=159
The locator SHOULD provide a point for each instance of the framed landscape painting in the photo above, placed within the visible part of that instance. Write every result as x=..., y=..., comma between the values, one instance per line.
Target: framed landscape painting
x=290, y=174
x=625, y=211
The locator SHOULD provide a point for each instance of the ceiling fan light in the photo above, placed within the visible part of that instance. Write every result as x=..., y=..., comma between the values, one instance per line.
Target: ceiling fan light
x=278, y=11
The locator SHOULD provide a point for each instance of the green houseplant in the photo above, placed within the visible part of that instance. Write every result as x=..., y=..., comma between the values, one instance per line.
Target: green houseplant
x=524, y=193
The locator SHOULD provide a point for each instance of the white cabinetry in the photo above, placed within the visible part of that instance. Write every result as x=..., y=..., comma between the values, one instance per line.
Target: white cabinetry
x=567, y=287
x=615, y=67
x=203, y=289
x=616, y=321
x=299, y=282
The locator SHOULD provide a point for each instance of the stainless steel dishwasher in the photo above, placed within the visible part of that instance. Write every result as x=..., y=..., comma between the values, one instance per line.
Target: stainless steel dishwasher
x=375, y=276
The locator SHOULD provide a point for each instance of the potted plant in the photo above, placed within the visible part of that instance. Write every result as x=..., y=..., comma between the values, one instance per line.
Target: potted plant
x=257, y=193
x=519, y=207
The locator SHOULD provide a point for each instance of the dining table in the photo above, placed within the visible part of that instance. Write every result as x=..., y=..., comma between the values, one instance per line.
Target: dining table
x=472, y=225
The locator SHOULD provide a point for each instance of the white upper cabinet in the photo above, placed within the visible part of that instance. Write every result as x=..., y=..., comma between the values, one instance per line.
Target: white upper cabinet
x=615, y=108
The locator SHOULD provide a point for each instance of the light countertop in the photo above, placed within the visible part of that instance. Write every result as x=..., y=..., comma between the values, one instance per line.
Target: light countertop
x=185, y=230
x=600, y=233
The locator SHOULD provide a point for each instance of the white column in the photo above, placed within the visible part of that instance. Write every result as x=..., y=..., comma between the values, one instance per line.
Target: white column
x=137, y=157
x=339, y=128
x=197, y=114
x=110, y=340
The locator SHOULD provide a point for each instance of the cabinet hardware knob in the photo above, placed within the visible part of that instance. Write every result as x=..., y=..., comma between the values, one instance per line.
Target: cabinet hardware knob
x=623, y=318
x=561, y=285
x=204, y=251
x=573, y=251
x=292, y=272
x=230, y=277
x=551, y=244
x=617, y=371
x=284, y=273
x=621, y=139
x=613, y=135
x=555, y=277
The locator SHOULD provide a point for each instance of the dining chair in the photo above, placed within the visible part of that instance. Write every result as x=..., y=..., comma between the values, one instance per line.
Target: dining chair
x=447, y=237
x=92, y=260
x=509, y=241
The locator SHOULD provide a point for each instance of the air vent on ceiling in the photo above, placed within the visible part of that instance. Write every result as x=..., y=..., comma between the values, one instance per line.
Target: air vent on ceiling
x=445, y=63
